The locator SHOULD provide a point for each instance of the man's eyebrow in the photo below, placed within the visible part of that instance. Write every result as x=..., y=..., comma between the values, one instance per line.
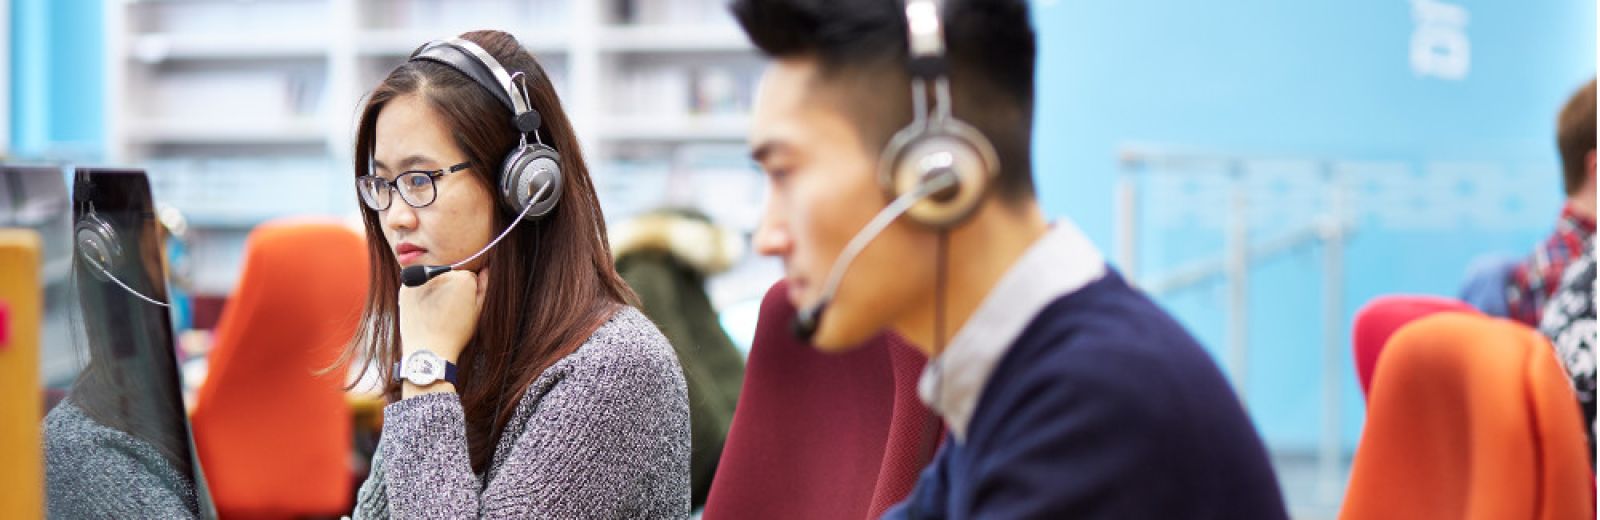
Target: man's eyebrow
x=760, y=153
x=765, y=150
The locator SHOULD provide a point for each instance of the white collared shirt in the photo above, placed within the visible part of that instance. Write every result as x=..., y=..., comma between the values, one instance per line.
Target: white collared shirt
x=1057, y=264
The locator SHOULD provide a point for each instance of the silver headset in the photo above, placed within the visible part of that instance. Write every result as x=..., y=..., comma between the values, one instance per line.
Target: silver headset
x=935, y=170
x=531, y=168
x=936, y=144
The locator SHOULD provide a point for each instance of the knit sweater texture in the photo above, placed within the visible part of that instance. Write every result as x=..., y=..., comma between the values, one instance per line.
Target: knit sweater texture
x=602, y=433
x=94, y=471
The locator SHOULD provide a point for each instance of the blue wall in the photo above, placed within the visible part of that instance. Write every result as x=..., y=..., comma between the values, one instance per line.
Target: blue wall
x=1311, y=78
x=58, y=77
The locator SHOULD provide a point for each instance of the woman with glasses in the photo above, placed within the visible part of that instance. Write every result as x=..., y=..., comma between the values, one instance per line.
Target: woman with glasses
x=523, y=383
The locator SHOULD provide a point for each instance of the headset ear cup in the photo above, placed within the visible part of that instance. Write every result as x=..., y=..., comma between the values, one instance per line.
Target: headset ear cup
x=914, y=151
x=97, y=245
x=528, y=169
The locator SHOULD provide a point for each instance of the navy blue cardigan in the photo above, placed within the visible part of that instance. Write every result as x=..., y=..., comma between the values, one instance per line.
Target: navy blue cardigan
x=1104, y=407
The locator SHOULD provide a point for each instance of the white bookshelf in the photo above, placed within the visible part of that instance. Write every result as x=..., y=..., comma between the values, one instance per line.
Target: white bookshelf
x=729, y=129
x=674, y=38
x=194, y=131
x=399, y=43
x=650, y=86
x=154, y=48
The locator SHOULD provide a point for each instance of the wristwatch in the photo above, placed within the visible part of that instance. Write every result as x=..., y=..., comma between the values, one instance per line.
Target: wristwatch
x=423, y=368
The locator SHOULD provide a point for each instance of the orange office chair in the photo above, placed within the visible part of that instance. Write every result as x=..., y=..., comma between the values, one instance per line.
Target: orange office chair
x=1470, y=417
x=275, y=438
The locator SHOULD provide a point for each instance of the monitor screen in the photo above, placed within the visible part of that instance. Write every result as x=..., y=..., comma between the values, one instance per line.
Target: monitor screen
x=119, y=444
x=36, y=198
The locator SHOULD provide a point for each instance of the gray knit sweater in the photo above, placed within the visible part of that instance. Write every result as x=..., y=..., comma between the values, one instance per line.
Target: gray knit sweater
x=602, y=433
x=93, y=471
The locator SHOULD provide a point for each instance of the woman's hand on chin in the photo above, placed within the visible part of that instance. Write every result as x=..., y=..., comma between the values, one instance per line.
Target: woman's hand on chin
x=442, y=314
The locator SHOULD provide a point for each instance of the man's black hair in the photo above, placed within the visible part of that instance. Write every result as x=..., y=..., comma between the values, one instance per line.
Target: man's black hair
x=861, y=52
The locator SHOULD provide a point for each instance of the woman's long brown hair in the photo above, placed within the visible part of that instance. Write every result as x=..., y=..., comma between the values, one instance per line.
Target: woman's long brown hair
x=551, y=281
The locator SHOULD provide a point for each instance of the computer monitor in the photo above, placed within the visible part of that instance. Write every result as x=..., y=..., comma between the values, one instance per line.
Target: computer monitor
x=119, y=445
x=35, y=197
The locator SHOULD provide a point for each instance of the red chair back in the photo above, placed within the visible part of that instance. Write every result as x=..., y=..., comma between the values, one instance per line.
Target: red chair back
x=1382, y=316
x=822, y=435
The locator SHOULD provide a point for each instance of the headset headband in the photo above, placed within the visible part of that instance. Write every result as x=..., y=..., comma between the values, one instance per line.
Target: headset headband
x=474, y=62
x=925, y=31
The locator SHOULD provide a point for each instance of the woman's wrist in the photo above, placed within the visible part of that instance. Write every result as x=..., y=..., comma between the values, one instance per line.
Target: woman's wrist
x=440, y=385
x=409, y=390
x=446, y=350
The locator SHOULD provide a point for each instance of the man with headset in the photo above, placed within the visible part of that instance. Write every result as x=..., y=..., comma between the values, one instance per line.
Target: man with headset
x=1066, y=393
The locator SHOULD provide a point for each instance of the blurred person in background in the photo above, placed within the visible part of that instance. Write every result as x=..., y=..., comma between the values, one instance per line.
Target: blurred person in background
x=665, y=256
x=1569, y=322
x=1530, y=283
x=522, y=383
x=1067, y=393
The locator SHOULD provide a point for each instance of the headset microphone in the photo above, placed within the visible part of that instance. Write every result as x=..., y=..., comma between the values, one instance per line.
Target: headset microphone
x=934, y=184
x=417, y=275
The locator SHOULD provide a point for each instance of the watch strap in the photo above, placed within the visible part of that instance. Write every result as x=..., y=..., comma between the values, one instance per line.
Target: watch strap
x=449, y=372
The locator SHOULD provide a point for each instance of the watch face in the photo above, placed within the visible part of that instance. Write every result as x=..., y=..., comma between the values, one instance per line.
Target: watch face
x=424, y=368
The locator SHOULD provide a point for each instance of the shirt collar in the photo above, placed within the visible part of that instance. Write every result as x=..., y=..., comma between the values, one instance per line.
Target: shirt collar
x=1580, y=222
x=1057, y=264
